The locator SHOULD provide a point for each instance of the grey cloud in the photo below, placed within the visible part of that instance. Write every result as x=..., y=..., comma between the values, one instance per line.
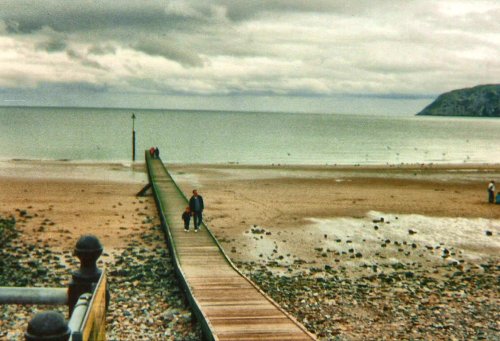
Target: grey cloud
x=391, y=66
x=240, y=10
x=25, y=17
x=76, y=16
x=102, y=49
x=73, y=54
x=83, y=59
x=106, y=26
x=52, y=45
x=169, y=50
x=11, y=26
x=92, y=63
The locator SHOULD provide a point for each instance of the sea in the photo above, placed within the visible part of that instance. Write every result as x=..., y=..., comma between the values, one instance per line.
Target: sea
x=253, y=138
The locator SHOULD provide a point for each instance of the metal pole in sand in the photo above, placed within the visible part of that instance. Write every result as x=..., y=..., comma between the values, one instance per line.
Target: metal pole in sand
x=133, y=137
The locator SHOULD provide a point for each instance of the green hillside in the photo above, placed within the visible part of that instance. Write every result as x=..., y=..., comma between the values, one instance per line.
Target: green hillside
x=479, y=101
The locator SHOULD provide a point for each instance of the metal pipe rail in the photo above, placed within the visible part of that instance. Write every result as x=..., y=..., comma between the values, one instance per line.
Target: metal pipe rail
x=90, y=320
x=21, y=295
x=76, y=321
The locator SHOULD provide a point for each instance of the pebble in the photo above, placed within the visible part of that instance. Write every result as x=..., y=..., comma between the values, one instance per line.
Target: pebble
x=146, y=302
x=408, y=302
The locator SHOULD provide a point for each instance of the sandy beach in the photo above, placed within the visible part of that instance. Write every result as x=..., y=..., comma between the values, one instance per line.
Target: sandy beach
x=287, y=200
x=342, y=223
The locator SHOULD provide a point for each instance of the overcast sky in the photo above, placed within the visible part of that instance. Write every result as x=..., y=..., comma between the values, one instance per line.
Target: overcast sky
x=274, y=55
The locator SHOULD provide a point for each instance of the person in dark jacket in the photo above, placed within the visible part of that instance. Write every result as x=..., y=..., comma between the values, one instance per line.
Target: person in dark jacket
x=186, y=216
x=196, y=206
x=491, y=192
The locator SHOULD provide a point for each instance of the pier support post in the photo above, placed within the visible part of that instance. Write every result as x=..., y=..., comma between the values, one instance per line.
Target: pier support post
x=143, y=191
x=47, y=326
x=88, y=249
x=133, y=137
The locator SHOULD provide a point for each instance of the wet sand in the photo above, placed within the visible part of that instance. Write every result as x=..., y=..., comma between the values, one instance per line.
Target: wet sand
x=285, y=199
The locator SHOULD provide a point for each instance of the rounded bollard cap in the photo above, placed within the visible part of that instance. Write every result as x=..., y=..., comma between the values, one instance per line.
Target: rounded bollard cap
x=47, y=326
x=88, y=247
x=88, y=243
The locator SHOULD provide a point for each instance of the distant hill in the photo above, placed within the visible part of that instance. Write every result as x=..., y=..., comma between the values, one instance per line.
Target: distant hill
x=479, y=101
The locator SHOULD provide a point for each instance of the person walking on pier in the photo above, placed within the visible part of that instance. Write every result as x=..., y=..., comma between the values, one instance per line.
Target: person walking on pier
x=186, y=216
x=196, y=206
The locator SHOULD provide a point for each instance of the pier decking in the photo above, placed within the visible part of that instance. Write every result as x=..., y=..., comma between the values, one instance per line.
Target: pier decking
x=226, y=303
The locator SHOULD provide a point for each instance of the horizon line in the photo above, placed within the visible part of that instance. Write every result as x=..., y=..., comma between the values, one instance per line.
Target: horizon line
x=202, y=110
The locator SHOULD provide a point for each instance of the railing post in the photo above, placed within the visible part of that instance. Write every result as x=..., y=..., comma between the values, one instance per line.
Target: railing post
x=47, y=326
x=88, y=249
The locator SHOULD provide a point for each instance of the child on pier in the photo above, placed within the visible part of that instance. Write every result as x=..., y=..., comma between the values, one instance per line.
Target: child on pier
x=186, y=216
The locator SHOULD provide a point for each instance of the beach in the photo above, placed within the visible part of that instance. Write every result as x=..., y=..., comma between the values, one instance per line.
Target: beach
x=53, y=204
x=363, y=252
x=385, y=237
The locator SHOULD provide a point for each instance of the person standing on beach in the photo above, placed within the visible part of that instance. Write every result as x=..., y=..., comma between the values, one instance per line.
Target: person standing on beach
x=196, y=206
x=491, y=192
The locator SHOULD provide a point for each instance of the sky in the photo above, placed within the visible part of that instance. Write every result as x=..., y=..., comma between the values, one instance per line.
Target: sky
x=365, y=56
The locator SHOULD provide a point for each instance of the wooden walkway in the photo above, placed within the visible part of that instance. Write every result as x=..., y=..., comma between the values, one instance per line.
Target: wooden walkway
x=227, y=304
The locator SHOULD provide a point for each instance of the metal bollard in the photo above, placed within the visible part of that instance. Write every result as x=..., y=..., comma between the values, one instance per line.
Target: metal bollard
x=47, y=326
x=88, y=249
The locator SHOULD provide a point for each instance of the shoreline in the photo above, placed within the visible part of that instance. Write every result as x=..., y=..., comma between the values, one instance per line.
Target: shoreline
x=134, y=171
x=341, y=166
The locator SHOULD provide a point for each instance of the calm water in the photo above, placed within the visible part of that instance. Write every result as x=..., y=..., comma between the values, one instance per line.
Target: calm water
x=247, y=138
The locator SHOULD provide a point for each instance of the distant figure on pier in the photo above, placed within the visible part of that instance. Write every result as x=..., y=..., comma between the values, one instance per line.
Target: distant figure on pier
x=157, y=153
x=491, y=192
x=186, y=216
x=152, y=152
x=196, y=206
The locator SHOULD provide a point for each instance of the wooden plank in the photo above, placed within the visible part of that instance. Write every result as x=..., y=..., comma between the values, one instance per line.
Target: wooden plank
x=94, y=323
x=254, y=336
x=271, y=326
x=239, y=312
x=239, y=285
